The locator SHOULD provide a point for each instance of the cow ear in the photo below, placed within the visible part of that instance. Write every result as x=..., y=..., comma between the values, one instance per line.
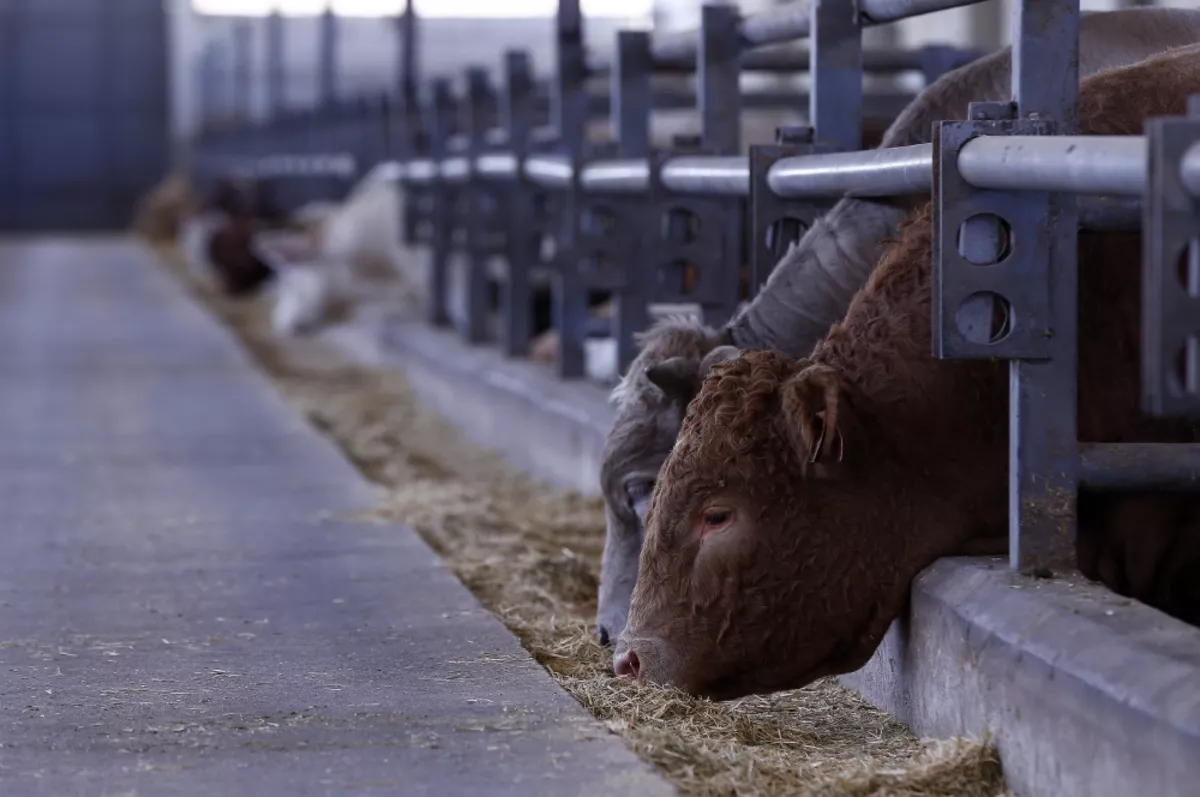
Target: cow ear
x=677, y=377
x=718, y=355
x=816, y=417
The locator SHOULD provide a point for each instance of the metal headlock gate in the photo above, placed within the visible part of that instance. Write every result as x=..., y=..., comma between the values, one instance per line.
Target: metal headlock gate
x=84, y=119
x=485, y=176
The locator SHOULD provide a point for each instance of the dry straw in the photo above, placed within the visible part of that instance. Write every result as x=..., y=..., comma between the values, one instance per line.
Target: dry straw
x=532, y=556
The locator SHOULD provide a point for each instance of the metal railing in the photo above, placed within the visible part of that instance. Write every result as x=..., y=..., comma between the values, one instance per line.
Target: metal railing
x=480, y=164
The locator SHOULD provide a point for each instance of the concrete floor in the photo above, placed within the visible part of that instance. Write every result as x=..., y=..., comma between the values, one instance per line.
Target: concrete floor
x=185, y=607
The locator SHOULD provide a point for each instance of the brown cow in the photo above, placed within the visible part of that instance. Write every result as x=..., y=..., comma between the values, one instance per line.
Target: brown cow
x=811, y=287
x=802, y=497
x=248, y=207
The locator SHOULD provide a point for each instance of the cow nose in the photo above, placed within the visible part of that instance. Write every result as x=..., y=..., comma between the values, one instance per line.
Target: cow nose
x=605, y=639
x=628, y=665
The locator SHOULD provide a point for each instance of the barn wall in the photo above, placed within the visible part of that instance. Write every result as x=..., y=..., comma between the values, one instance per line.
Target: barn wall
x=83, y=111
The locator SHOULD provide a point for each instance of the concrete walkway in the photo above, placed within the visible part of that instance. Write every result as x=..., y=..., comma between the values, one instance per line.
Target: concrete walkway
x=185, y=608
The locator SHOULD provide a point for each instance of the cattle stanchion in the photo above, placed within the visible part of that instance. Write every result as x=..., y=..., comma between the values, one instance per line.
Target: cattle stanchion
x=1005, y=283
x=440, y=113
x=482, y=219
x=631, y=104
x=1171, y=266
x=521, y=239
x=569, y=110
x=696, y=247
x=777, y=222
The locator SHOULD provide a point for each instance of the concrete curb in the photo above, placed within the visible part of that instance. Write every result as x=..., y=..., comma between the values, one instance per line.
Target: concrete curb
x=1086, y=693
x=553, y=430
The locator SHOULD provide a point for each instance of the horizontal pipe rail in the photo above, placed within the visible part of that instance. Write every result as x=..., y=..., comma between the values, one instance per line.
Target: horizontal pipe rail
x=873, y=172
x=630, y=176
x=1189, y=170
x=455, y=169
x=497, y=165
x=793, y=21
x=729, y=175
x=551, y=171
x=1077, y=164
x=882, y=61
x=1150, y=466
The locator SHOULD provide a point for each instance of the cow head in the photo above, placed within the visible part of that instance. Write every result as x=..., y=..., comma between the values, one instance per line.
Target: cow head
x=651, y=400
x=763, y=568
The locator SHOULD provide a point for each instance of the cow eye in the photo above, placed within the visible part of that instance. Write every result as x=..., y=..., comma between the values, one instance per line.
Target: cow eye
x=716, y=516
x=638, y=490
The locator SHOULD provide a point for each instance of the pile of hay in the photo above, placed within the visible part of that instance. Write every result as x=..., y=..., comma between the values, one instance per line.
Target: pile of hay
x=532, y=556
x=158, y=215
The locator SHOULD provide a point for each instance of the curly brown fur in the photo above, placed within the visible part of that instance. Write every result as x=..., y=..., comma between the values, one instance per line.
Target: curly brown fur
x=802, y=497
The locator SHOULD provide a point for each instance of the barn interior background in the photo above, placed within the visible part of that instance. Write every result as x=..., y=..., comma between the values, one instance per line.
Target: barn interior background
x=103, y=98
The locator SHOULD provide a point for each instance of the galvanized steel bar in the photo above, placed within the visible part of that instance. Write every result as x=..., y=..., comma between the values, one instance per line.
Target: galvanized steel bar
x=440, y=120
x=497, y=166
x=1189, y=170
x=275, y=68
x=480, y=114
x=632, y=100
x=1043, y=393
x=454, y=170
x=569, y=113
x=1170, y=339
x=1142, y=466
x=874, y=172
x=631, y=93
x=719, y=100
x=522, y=242
x=1075, y=164
x=243, y=45
x=836, y=65
x=327, y=67
x=409, y=60
x=798, y=61
x=551, y=171
x=708, y=175
x=792, y=21
x=621, y=176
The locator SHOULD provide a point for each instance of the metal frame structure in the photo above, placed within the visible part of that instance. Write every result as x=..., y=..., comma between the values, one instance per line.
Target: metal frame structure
x=630, y=218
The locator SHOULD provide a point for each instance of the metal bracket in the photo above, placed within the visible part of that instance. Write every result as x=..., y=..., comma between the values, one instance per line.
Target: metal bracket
x=777, y=223
x=696, y=243
x=1170, y=271
x=1005, y=286
x=991, y=262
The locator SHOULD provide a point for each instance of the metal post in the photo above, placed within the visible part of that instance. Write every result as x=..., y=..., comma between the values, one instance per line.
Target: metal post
x=516, y=297
x=327, y=65
x=1022, y=305
x=836, y=65
x=699, y=250
x=1171, y=271
x=211, y=83
x=569, y=111
x=478, y=106
x=440, y=113
x=776, y=222
x=276, y=86
x=631, y=100
x=243, y=44
x=1044, y=441
x=409, y=54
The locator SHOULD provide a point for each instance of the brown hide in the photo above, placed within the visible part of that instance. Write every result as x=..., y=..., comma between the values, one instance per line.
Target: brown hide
x=240, y=271
x=802, y=497
x=250, y=206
